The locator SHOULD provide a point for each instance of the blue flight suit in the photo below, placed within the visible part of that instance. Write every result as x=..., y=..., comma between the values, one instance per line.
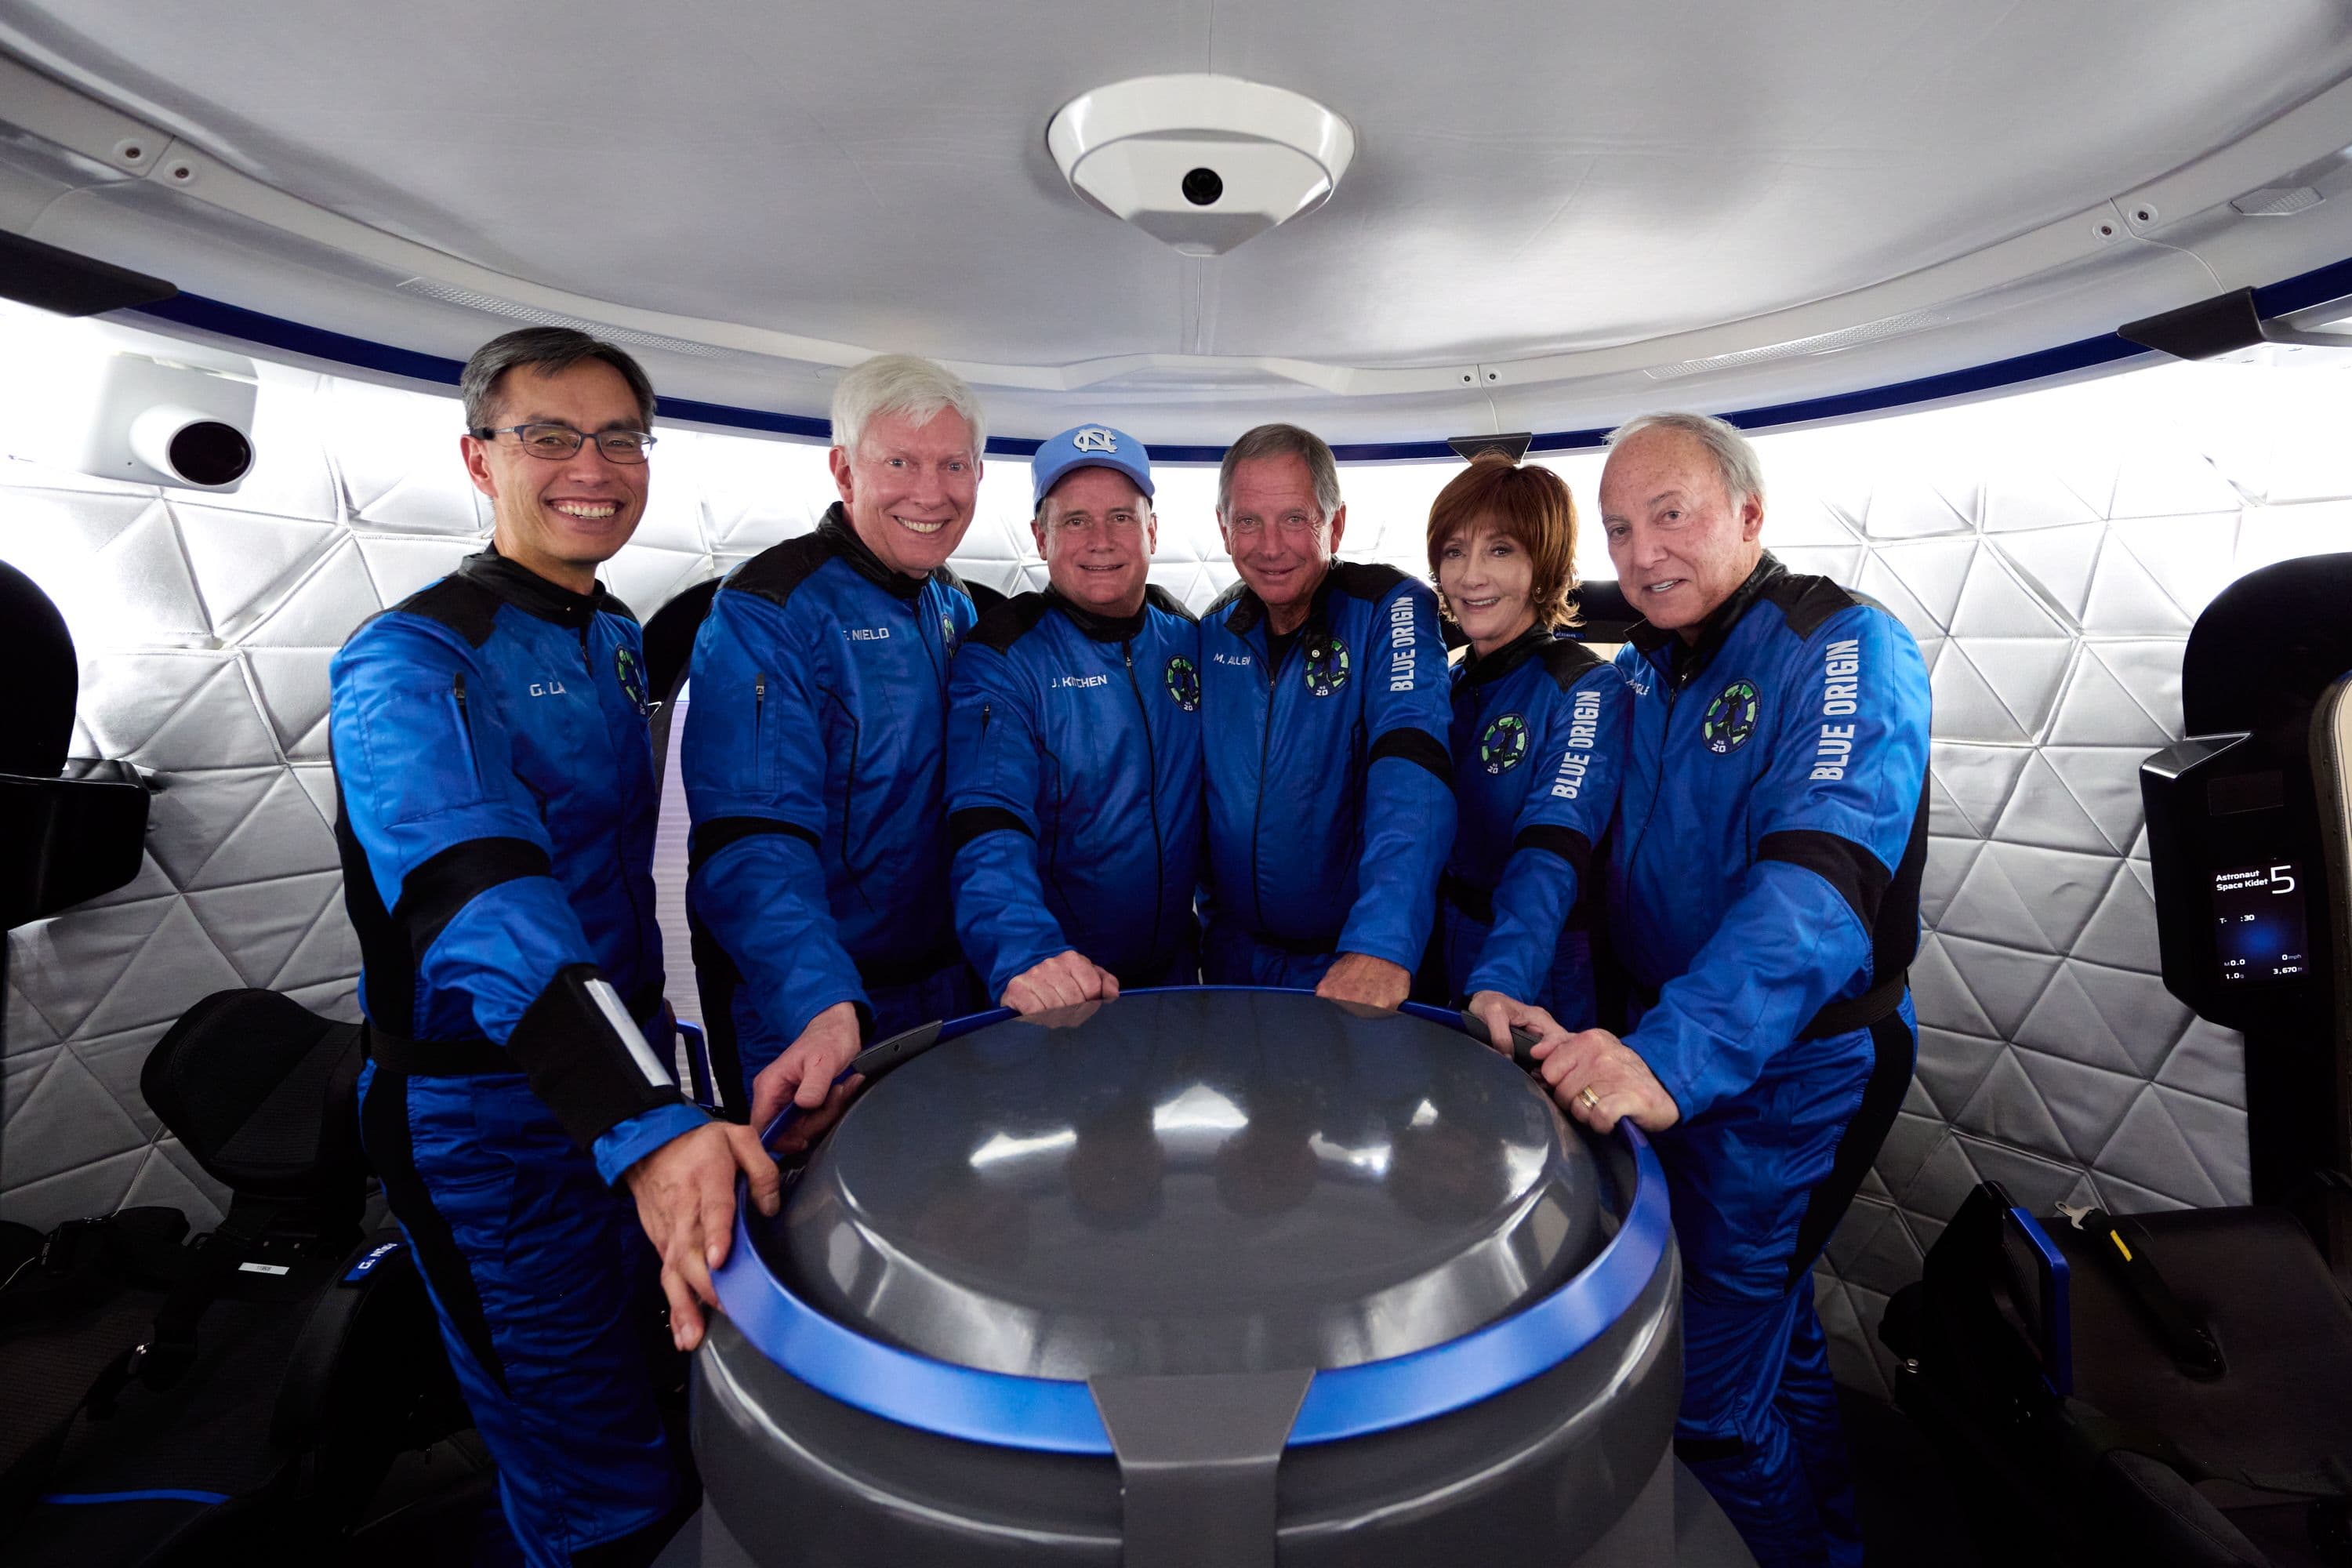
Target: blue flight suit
x=495, y=785
x=813, y=762
x=1539, y=741
x=1764, y=895
x=1075, y=806
x=1330, y=798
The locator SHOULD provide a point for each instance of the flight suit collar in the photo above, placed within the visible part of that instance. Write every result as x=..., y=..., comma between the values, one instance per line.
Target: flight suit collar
x=1685, y=660
x=534, y=595
x=1097, y=626
x=842, y=540
x=1480, y=671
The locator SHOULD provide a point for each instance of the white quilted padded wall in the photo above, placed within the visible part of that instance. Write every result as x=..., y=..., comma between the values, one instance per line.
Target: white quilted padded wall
x=2049, y=549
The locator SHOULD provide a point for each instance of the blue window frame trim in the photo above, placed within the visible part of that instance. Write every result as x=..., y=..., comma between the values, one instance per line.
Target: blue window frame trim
x=2321, y=284
x=156, y=1494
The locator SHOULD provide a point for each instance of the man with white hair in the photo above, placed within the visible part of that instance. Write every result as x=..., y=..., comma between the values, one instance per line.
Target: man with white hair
x=814, y=751
x=1764, y=893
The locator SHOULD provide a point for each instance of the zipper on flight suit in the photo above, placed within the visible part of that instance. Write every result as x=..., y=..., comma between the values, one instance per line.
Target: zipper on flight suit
x=465, y=726
x=1152, y=770
x=620, y=841
x=758, y=727
x=1265, y=754
x=1658, y=784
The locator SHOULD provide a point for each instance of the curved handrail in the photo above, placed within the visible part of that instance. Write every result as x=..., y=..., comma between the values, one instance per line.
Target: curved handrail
x=1058, y=1414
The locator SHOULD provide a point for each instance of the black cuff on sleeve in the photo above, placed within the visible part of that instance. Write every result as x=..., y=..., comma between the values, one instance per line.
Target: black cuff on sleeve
x=1859, y=875
x=709, y=837
x=586, y=1060
x=1414, y=746
x=1565, y=842
x=968, y=824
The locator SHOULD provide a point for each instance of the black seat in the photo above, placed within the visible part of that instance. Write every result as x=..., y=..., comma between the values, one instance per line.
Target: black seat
x=70, y=828
x=252, y=1390
x=2176, y=1388
x=2088, y=1420
x=264, y=1094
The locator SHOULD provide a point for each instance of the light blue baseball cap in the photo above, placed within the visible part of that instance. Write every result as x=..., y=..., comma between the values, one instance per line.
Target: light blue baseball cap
x=1090, y=446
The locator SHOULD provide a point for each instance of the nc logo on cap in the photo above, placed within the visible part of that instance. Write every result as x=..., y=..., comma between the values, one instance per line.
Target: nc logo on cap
x=1094, y=438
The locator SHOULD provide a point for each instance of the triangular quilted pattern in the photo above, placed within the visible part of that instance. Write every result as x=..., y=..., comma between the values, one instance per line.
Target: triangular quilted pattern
x=2049, y=549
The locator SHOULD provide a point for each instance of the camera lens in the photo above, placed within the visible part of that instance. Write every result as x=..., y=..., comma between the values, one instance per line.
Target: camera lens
x=208, y=452
x=1202, y=188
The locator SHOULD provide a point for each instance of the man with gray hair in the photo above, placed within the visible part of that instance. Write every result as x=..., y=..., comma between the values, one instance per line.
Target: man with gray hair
x=1764, y=893
x=814, y=752
x=1325, y=706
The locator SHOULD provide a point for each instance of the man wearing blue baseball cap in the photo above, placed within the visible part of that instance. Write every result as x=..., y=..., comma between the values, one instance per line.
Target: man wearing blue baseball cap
x=1073, y=800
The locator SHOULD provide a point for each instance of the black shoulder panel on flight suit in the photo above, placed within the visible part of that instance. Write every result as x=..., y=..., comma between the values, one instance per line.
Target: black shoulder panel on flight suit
x=1160, y=598
x=1004, y=624
x=1365, y=580
x=775, y=571
x=1806, y=601
x=946, y=578
x=1567, y=662
x=458, y=602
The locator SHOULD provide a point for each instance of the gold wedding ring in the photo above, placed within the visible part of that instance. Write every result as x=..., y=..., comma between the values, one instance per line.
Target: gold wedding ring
x=1589, y=1101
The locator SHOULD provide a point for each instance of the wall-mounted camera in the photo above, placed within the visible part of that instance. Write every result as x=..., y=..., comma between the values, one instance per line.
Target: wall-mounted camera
x=157, y=423
x=150, y=413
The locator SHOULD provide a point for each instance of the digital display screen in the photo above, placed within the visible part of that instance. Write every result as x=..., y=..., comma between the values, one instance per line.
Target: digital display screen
x=2259, y=928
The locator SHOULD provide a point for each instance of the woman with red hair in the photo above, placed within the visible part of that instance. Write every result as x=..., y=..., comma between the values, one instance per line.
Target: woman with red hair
x=1539, y=724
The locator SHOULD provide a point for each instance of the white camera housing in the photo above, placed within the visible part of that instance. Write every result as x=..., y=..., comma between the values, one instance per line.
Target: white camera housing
x=164, y=423
x=148, y=421
x=1202, y=162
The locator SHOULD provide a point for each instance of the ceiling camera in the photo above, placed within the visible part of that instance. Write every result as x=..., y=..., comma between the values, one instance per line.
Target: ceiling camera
x=1201, y=162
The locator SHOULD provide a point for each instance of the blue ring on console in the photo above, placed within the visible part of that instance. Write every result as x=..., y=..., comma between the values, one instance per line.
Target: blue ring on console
x=1058, y=1414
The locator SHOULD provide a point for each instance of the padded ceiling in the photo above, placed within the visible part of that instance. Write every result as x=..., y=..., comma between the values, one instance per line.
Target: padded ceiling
x=1533, y=179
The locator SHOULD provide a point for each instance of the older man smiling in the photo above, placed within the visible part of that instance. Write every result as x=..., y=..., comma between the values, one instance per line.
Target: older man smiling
x=814, y=751
x=1074, y=717
x=1330, y=801
x=1764, y=891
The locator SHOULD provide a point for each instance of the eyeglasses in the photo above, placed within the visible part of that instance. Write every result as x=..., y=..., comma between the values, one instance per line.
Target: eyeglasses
x=556, y=442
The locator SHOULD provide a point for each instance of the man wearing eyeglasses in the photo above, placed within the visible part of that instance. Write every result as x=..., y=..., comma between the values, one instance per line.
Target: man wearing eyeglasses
x=815, y=754
x=1074, y=717
x=1330, y=794
x=495, y=779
